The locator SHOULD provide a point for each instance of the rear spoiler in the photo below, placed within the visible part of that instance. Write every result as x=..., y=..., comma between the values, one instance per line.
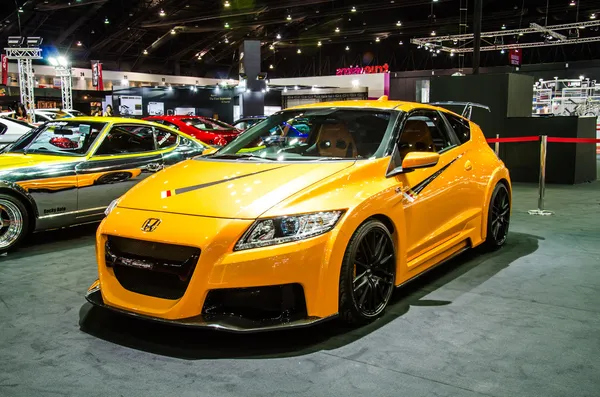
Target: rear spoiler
x=466, y=113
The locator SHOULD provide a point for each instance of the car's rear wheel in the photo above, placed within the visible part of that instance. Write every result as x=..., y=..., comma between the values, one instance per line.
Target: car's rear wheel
x=14, y=222
x=368, y=273
x=498, y=217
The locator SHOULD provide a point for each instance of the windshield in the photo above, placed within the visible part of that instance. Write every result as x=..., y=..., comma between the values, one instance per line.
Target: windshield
x=202, y=124
x=314, y=134
x=69, y=138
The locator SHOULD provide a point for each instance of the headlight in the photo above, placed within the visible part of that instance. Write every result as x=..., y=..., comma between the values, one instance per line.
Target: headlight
x=111, y=206
x=285, y=229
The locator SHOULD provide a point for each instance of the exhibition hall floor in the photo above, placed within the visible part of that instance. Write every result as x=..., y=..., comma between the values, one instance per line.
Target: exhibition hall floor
x=522, y=321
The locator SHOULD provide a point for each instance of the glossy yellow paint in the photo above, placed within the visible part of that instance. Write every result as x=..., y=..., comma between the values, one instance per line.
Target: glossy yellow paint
x=445, y=217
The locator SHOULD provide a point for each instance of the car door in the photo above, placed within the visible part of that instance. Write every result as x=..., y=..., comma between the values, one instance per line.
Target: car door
x=432, y=204
x=127, y=154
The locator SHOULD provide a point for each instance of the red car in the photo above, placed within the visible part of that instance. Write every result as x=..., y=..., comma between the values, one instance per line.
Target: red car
x=211, y=131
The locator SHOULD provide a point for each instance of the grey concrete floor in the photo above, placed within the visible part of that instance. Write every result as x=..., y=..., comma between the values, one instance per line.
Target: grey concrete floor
x=522, y=321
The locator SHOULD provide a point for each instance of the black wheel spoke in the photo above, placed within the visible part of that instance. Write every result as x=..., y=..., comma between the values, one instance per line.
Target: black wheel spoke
x=364, y=295
x=362, y=283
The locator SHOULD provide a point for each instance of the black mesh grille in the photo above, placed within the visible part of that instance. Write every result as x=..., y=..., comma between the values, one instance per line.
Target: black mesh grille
x=148, y=268
x=277, y=302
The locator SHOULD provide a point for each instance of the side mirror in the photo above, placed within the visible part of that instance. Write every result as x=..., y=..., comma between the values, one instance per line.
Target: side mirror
x=209, y=150
x=415, y=160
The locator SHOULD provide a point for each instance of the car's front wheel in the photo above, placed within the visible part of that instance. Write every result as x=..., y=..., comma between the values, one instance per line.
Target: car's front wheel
x=13, y=222
x=368, y=273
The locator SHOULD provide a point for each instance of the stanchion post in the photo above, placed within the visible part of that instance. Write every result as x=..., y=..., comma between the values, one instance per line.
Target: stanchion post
x=497, y=146
x=542, y=182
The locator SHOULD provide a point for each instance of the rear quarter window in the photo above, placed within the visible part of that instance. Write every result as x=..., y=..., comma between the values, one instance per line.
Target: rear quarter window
x=461, y=127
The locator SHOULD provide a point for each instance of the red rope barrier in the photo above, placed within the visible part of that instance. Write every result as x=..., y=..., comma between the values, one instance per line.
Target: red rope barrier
x=518, y=139
x=574, y=140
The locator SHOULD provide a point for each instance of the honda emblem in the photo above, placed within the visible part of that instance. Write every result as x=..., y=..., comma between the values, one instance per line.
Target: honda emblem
x=150, y=224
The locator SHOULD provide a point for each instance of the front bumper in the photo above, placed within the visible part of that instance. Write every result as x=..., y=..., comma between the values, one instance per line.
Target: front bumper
x=204, y=298
x=216, y=322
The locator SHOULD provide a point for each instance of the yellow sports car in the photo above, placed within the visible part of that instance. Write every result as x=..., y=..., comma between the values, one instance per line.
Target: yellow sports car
x=67, y=171
x=272, y=231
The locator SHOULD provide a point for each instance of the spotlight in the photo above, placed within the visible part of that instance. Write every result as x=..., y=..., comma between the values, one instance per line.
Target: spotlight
x=79, y=44
x=285, y=89
x=226, y=25
x=53, y=61
x=106, y=21
x=377, y=40
x=162, y=13
x=227, y=4
x=173, y=31
x=503, y=27
x=21, y=9
x=226, y=40
x=353, y=9
x=296, y=87
x=593, y=16
x=271, y=66
x=299, y=51
x=263, y=90
x=271, y=47
x=319, y=44
x=433, y=33
x=288, y=18
x=34, y=41
x=278, y=36
x=582, y=77
x=337, y=30
x=398, y=23
x=502, y=51
x=572, y=3
x=15, y=41
x=62, y=61
x=347, y=48
x=145, y=52
x=401, y=42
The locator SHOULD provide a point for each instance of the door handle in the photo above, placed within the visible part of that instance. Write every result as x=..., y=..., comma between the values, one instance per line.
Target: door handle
x=468, y=165
x=154, y=167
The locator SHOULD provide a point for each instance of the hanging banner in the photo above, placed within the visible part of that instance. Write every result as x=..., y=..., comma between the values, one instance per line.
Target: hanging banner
x=385, y=68
x=97, y=76
x=4, y=72
x=515, y=57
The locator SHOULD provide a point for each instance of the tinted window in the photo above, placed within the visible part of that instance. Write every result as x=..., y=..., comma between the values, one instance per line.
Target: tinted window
x=424, y=131
x=169, y=124
x=60, y=137
x=314, y=134
x=124, y=139
x=201, y=124
x=165, y=138
x=461, y=127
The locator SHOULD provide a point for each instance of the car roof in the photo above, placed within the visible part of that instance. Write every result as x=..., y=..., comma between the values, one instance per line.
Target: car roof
x=381, y=103
x=106, y=119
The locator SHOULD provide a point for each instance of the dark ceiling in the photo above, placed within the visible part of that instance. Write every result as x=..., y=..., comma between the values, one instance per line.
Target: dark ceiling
x=118, y=31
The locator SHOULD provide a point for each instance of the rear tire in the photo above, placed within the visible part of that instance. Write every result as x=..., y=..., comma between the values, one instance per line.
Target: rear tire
x=498, y=218
x=368, y=274
x=14, y=222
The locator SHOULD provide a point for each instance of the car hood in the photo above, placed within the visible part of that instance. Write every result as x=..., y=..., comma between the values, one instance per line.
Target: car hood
x=226, y=189
x=8, y=161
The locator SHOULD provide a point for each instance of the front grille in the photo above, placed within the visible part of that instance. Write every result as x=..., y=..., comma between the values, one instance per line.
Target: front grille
x=264, y=304
x=149, y=268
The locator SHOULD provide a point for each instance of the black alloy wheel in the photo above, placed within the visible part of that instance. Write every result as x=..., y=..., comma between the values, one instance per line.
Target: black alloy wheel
x=498, y=217
x=368, y=273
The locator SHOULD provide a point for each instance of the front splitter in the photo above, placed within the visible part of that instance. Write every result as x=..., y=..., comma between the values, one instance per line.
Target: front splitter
x=215, y=322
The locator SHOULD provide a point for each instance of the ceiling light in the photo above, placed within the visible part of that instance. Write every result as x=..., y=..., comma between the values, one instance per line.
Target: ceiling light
x=288, y=18
x=278, y=36
x=53, y=61
x=353, y=9
x=377, y=39
x=62, y=61
x=227, y=3
x=21, y=9
x=347, y=48
x=79, y=44
x=451, y=54
x=299, y=51
x=271, y=47
x=593, y=16
x=503, y=26
x=145, y=52
x=582, y=77
x=285, y=89
x=319, y=44
x=124, y=81
x=355, y=83
x=173, y=31
x=437, y=52
x=520, y=34
x=271, y=66
x=337, y=30
x=502, y=51
x=226, y=25
x=162, y=13
x=401, y=42
x=572, y=3
x=433, y=33
x=398, y=23
x=106, y=21
x=263, y=90
x=296, y=87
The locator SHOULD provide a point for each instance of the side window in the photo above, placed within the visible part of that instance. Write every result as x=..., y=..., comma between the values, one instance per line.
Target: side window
x=424, y=131
x=3, y=128
x=165, y=138
x=169, y=124
x=461, y=127
x=126, y=139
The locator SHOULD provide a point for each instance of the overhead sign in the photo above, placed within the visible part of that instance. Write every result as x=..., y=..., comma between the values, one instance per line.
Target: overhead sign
x=97, y=76
x=4, y=73
x=515, y=57
x=363, y=70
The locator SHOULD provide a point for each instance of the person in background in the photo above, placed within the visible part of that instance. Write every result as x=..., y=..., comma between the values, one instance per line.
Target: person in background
x=108, y=112
x=61, y=113
x=21, y=113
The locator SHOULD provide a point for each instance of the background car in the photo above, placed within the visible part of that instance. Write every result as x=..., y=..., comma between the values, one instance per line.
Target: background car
x=208, y=130
x=68, y=171
x=244, y=123
x=269, y=233
x=11, y=130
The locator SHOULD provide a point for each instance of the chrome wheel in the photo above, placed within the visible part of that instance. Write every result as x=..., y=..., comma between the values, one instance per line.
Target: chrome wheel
x=11, y=223
x=373, y=272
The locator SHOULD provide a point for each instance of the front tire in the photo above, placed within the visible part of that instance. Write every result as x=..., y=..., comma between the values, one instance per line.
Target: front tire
x=498, y=217
x=14, y=222
x=368, y=273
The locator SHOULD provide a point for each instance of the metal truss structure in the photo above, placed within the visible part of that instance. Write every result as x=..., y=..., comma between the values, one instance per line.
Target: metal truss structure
x=66, y=86
x=553, y=38
x=24, y=57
